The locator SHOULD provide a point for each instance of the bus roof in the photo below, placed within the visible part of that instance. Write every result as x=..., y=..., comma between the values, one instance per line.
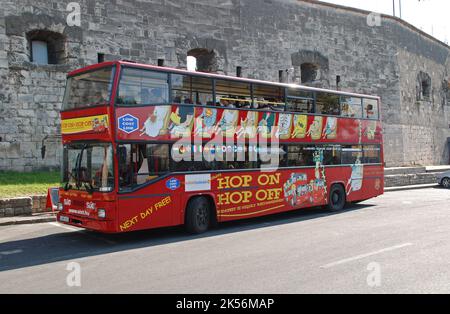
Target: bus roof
x=215, y=76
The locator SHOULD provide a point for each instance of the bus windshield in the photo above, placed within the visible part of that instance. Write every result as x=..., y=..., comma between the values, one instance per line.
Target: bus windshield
x=88, y=167
x=88, y=89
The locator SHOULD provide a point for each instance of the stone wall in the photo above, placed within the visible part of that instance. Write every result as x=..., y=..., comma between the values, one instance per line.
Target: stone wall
x=261, y=36
x=19, y=206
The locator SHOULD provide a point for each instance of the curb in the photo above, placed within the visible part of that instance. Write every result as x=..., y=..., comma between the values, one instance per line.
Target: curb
x=411, y=187
x=22, y=221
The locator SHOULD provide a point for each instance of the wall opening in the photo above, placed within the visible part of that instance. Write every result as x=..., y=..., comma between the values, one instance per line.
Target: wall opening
x=239, y=71
x=311, y=68
x=423, y=86
x=280, y=76
x=446, y=93
x=160, y=62
x=206, y=59
x=100, y=57
x=191, y=63
x=39, y=52
x=309, y=72
x=46, y=47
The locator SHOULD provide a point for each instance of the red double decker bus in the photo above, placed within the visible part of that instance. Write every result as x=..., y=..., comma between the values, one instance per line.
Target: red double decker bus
x=148, y=147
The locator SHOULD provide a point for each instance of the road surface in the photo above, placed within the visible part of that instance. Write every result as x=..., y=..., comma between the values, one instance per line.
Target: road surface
x=397, y=243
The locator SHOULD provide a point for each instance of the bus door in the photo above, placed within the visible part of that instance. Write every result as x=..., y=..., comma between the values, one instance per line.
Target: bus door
x=147, y=193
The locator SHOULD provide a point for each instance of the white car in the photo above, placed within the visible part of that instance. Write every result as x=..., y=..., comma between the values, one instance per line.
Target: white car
x=444, y=179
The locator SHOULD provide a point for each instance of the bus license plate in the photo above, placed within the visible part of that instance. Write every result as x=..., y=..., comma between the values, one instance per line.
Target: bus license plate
x=63, y=218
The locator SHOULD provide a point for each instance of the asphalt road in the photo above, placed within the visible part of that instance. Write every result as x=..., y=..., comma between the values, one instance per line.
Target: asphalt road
x=397, y=243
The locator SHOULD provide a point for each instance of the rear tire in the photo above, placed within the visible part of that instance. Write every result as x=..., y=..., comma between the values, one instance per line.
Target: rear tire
x=337, y=198
x=446, y=183
x=198, y=215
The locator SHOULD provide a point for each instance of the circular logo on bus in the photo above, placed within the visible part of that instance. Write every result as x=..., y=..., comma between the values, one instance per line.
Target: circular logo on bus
x=173, y=184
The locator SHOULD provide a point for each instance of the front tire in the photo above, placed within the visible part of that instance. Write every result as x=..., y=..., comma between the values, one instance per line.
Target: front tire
x=446, y=183
x=337, y=198
x=198, y=215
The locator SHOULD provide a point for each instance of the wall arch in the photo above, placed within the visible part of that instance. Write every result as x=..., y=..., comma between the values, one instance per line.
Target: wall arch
x=310, y=68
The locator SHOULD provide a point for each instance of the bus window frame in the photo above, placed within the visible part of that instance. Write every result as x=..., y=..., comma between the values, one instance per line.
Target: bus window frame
x=171, y=98
x=285, y=165
x=378, y=109
x=112, y=94
x=362, y=107
x=169, y=87
x=286, y=94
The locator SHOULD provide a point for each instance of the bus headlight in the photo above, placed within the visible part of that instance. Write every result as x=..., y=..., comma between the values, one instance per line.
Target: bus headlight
x=101, y=213
x=60, y=206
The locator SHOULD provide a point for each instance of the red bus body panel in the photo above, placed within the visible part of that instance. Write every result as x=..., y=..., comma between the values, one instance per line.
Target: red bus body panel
x=236, y=194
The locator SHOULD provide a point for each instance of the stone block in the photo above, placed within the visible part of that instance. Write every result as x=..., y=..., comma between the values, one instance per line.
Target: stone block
x=18, y=211
x=9, y=212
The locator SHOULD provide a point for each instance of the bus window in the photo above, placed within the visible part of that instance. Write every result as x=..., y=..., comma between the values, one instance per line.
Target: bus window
x=233, y=94
x=88, y=89
x=351, y=107
x=272, y=156
x=195, y=90
x=283, y=150
x=370, y=109
x=268, y=97
x=140, y=163
x=142, y=87
x=327, y=104
x=300, y=156
x=300, y=105
x=158, y=159
x=300, y=101
x=371, y=154
x=332, y=155
x=88, y=166
x=130, y=158
x=351, y=154
x=199, y=160
x=181, y=157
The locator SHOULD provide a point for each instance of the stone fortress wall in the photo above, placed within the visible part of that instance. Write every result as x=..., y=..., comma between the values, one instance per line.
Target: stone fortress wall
x=315, y=42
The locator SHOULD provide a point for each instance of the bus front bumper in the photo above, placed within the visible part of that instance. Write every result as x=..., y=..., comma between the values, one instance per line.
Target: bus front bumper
x=106, y=226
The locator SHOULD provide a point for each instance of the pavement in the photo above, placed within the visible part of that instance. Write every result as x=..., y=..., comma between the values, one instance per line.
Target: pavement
x=411, y=187
x=396, y=243
x=437, y=168
x=29, y=219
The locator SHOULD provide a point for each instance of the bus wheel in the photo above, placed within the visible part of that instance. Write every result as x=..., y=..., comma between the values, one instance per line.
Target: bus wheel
x=337, y=199
x=198, y=215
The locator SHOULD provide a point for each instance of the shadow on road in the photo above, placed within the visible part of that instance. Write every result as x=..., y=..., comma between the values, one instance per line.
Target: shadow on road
x=62, y=246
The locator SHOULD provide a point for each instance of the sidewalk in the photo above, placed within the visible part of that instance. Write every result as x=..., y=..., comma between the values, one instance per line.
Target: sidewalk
x=34, y=218
x=411, y=187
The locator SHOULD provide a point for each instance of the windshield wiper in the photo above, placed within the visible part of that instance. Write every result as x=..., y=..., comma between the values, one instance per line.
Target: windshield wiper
x=89, y=188
x=67, y=186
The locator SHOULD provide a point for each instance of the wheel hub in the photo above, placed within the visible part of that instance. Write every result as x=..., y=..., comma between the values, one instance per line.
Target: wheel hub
x=335, y=198
x=202, y=216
